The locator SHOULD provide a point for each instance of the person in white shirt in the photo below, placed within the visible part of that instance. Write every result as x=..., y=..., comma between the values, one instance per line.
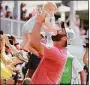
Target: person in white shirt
x=76, y=69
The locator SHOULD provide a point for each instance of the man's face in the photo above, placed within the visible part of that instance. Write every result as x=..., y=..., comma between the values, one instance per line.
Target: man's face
x=60, y=40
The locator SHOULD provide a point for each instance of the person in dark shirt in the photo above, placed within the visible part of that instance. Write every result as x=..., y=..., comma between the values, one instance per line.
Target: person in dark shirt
x=33, y=60
x=33, y=64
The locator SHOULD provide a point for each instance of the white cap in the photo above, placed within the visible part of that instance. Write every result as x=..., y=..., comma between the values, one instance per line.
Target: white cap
x=70, y=33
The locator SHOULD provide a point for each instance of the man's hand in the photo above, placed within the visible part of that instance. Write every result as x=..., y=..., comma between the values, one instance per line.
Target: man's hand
x=41, y=17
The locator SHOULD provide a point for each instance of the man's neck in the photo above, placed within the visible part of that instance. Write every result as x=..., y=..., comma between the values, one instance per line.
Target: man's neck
x=59, y=47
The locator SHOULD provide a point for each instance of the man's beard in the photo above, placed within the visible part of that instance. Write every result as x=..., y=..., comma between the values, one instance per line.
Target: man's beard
x=65, y=44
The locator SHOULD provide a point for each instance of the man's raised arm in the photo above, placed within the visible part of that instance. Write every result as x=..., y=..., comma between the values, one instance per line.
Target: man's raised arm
x=35, y=36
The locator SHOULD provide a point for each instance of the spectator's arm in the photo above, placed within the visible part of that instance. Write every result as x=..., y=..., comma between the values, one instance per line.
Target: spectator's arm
x=79, y=69
x=85, y=57
x=13, y=49
x=16, y=44
x=2, y=42
x=82, y=77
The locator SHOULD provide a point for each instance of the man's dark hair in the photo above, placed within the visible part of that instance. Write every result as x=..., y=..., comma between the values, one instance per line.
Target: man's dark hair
x=1, y=32
x=58, y=37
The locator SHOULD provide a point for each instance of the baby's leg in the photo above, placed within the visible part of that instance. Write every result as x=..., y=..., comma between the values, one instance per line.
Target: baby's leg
x=26, y=44
x=29, y=45
x=27, y=40
x=23, y=43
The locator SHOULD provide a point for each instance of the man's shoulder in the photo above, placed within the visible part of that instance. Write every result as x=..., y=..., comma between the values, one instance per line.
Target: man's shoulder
x=51, y=48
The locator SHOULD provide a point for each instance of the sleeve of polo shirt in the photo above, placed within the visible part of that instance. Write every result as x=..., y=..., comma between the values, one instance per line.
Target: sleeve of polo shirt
x=53, y=54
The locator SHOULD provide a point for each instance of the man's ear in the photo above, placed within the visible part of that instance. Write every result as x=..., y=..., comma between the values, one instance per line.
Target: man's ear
x=64, y=38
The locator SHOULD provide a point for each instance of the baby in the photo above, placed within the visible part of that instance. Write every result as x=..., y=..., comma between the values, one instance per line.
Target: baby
x=49, y=9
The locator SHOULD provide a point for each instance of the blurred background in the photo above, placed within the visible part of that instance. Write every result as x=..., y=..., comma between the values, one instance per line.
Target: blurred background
x=13, y=15
x=13, y=11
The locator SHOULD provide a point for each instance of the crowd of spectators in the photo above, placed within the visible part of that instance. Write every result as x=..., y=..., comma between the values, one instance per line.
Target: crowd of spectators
x=7, y=13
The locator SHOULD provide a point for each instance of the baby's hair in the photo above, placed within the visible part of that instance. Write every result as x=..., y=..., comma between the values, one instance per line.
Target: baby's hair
x=48, y=2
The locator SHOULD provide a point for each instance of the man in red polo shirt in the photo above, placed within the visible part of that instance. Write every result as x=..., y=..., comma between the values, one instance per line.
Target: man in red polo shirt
x=53, y=58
